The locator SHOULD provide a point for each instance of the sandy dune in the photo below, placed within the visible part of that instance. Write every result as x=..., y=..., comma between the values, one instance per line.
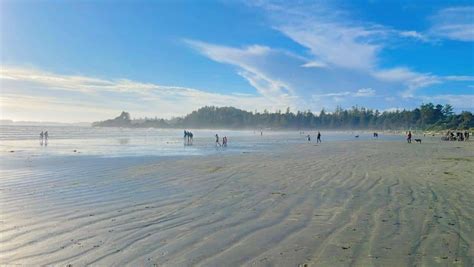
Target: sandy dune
x=336, y=204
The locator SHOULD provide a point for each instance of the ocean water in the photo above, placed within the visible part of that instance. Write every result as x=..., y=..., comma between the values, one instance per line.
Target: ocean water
x=123, y=142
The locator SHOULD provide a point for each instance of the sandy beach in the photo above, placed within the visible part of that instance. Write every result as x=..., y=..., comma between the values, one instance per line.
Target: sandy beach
x=368, y=203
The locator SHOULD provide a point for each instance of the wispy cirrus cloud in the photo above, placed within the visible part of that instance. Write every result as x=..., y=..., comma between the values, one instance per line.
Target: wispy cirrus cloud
x=335, y=44
x=363, y=92
x=456, y=23
x=412, y=80
x=59, y=97
x=251, y=61
x=340, y=55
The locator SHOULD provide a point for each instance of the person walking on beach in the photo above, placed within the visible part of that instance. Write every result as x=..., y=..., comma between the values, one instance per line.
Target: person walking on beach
x=409, y=137
x=217, y=141
x=309, y=138
x=224, y=141
x=318, y=138
x=185, y=137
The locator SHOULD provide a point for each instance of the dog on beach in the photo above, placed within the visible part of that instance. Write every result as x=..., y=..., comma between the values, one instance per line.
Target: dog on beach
x=418, y=140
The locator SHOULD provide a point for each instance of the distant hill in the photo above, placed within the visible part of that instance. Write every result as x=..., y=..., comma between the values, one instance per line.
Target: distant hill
x=428, y=117
x=123, y=120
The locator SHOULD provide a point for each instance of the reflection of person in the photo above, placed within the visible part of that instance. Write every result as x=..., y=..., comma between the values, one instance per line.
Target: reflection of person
x=46, y=138
x=41, y=138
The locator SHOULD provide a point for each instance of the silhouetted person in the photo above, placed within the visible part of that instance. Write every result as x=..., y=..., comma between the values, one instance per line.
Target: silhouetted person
x=309, y=138
x=185, y=137
x=224, y=141
x=409, y=137
x=318, y=138
x=217, y=140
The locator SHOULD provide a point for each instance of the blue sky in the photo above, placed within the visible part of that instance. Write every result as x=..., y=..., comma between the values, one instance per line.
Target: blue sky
x=88, y=60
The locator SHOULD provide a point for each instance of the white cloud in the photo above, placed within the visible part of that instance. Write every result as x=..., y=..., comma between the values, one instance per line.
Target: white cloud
x=40, y=95
x=336, y=94
x=365, y=92
x=459, y=78
x=281, y=77
x=314, y=64
x=415, y=35
x=412, y=80
x=456, y=23
x=248, y=59
x=335, y=44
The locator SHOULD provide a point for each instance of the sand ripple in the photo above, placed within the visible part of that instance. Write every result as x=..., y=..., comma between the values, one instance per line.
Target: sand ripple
x=336, y=204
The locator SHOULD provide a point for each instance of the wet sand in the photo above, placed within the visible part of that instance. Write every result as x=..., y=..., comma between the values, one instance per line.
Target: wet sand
x=368, y=203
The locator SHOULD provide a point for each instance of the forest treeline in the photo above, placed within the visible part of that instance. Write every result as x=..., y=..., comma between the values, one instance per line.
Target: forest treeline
x=427, y=117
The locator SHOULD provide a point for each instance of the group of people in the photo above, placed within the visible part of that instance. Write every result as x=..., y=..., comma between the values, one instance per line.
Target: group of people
x=188, y=138
x=44, y=138
x=458, y=136
x=224, y=141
